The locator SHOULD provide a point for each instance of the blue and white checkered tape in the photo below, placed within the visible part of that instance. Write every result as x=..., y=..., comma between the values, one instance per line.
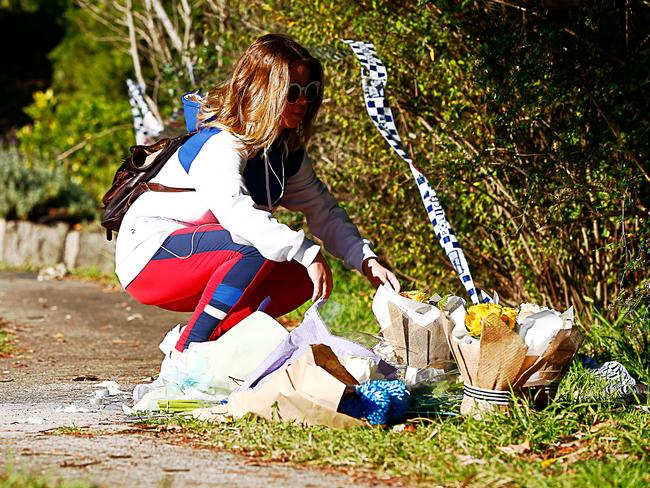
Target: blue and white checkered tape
x=373, y=78
x=144, y=122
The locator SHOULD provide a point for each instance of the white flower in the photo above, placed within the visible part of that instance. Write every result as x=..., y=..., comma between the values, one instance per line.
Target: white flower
x=528, y=309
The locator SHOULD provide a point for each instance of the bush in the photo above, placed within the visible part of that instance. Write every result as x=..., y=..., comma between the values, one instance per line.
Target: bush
x=83, y=121
x=33, y=191
x=532, y=127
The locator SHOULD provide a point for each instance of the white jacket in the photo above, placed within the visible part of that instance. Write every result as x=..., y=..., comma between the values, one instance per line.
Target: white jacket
x=216, y=173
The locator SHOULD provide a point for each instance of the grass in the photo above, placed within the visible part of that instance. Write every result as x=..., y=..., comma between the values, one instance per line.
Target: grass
x=566, y=444
x=7, y=340
x=89, y=273
x=626, y=339
x=12, y=478
x=6, y=343
x=23, y=268
x=92, y=273
x=73, y=430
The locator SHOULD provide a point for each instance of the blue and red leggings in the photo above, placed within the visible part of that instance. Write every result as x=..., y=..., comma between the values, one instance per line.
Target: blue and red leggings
x=221, y=281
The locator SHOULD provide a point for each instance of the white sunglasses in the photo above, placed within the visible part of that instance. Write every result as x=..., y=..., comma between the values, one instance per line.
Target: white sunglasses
x=311, y=91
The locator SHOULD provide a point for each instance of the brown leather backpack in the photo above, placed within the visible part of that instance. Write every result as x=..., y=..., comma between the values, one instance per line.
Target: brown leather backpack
x=133, y=177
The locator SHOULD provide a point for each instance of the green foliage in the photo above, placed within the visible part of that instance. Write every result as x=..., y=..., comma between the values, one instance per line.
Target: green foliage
x=84, y=64
x=83, y=122
x=625, y=339
x=531, y=128
x=87, y=136
x=34, y=191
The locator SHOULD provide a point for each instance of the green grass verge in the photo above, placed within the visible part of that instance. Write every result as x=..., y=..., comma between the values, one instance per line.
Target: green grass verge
x=90, y=273
x=13, y=478
x=564, y=445
x=23, y=268
x=94, y=274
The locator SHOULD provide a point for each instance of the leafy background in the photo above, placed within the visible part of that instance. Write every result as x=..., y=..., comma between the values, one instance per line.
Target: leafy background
x=529, y=118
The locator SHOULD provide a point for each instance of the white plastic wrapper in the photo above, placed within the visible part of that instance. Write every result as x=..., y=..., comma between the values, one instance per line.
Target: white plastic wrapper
x=210, y=370
x=420, y=313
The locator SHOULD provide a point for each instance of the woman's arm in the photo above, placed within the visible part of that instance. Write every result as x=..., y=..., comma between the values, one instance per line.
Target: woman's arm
x=330, y=223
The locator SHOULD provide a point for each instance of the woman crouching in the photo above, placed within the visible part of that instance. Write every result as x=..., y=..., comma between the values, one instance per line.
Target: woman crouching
x=217, y=249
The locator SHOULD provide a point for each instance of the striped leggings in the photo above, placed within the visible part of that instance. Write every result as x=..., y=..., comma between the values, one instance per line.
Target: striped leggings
x=222, y=282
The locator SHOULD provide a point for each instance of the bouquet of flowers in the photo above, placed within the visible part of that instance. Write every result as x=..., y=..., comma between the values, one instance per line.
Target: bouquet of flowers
x=501, y=349
x=411, y=327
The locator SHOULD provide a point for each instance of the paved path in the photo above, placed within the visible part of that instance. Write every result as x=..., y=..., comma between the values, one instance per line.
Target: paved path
x=68, y=329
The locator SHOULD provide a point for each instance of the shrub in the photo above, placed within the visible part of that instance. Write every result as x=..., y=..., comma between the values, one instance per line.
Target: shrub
x=532, y=126
x=34, y=191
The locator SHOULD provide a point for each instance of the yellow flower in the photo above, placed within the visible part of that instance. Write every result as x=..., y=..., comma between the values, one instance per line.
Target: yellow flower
x=477, y=313
x=416, y=295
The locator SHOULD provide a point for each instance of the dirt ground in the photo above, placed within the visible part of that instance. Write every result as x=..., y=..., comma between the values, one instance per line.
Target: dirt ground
x=71, y=336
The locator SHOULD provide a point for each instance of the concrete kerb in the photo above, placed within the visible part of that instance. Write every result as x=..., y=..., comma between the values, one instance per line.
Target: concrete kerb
x=28, y=244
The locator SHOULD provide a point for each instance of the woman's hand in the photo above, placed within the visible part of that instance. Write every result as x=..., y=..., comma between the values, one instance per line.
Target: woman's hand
x=321, y=276
x=378, y=275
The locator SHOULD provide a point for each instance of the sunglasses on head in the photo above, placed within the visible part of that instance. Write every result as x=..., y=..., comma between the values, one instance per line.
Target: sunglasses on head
x=311, y=91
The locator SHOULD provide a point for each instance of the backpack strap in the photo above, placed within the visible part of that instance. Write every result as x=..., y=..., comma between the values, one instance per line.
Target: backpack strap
x=145, y=186
x=162, y=188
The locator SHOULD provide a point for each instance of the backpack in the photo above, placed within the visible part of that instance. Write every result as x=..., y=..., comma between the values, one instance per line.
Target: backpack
x=133, y=177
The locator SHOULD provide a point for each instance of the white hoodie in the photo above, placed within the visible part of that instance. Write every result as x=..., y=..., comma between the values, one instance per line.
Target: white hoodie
x=221, y=196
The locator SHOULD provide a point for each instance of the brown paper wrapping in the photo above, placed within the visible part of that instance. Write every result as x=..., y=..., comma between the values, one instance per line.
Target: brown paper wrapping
x=416, y=345
x=499, y=362
x=308, y=390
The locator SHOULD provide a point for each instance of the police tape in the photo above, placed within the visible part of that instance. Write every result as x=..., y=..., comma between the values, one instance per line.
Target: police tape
x=373, y=78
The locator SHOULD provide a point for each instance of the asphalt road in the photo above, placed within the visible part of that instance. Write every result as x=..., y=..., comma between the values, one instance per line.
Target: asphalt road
x=70, y=329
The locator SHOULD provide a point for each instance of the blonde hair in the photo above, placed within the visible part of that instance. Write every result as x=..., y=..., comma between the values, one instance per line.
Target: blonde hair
x=250, y=104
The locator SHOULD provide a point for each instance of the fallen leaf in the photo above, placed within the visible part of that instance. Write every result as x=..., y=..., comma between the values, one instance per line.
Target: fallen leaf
x=547, y=462
x=82, y=464
x=515, y=449
x=466, y=460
